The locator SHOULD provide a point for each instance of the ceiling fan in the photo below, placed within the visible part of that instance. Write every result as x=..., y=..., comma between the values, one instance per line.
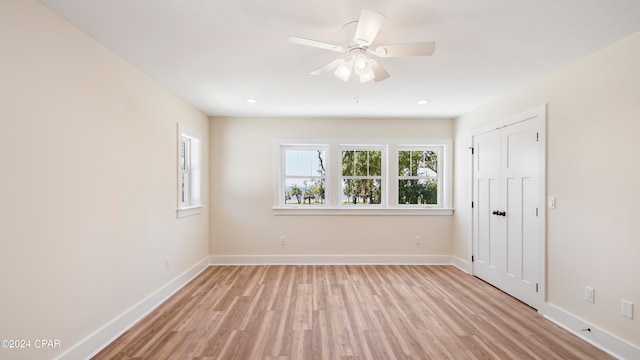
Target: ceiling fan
x=358, y=37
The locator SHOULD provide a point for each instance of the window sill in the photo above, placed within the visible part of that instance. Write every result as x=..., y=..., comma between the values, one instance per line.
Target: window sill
x=296, y=211
x=188, y=211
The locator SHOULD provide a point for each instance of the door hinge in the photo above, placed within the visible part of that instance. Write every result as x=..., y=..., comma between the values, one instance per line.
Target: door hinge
x=537, y=136
x=472, y=204
x=536, y=211
x=471, y=150
x=536, y=287
x=472, y=258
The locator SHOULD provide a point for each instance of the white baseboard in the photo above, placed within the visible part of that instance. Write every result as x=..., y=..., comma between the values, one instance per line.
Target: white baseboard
x=102, y=337
x=330, y=259
x=461, y=264
x=597, y=337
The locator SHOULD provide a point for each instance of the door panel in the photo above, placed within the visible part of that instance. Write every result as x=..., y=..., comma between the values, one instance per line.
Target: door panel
x=519, y=147
x=486, y=188
x=495, y=236
x=520, y=166
x=529, y=230
x=483, y=227
x=506, y=235
x=514, y=227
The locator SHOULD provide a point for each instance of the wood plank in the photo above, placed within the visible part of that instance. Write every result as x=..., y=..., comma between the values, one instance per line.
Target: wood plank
x=344, y=312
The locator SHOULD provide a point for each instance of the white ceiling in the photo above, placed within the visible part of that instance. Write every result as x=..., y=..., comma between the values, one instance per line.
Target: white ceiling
x=215, y=54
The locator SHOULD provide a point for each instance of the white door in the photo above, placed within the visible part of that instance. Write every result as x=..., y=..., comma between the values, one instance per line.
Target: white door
x=507, y=216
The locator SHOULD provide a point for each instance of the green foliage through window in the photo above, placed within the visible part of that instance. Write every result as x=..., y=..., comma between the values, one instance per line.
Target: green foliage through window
x=417, y=177
x=386, y=175
x=362, y=177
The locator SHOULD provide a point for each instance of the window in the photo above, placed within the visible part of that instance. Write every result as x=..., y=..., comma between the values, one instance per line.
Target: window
x=304, y=176
x=338, y=176
x=189, y=199
x=418, y=175
x=362, y=176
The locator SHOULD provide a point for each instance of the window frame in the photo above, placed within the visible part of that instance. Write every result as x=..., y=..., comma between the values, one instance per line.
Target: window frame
x=193, y=204
x=333, y=186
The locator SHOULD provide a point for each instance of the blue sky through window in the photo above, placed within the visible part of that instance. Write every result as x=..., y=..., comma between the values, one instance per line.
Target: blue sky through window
x=302, y=163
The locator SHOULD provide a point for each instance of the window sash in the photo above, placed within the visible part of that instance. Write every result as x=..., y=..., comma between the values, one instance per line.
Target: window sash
x=284, y=176
x=355, y=169
x=189, y=171
x=438, y=150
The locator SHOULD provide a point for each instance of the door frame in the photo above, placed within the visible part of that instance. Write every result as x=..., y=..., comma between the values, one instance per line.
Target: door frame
x=540, y=113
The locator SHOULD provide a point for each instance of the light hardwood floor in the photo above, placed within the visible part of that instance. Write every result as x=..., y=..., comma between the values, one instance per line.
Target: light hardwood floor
x=344, y=312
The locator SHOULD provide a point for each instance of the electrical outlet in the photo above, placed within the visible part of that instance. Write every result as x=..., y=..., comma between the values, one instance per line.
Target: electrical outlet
x=283, y=240
x=166, y=264
x=589, y=294
x=627, y=309
x=418, y=240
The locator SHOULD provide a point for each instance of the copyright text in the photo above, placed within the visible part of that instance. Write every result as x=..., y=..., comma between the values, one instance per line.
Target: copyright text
x=30, y=343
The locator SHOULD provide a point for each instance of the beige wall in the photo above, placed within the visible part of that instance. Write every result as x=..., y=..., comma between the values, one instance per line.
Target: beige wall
x=593, y=129
x=88, y=182
x=242, y=222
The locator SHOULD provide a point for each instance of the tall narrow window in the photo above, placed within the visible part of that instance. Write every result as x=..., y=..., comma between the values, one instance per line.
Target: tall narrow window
x=418, y=176
x=304, y=180
x=362, y=176
x=189, y=173
x=185, y=170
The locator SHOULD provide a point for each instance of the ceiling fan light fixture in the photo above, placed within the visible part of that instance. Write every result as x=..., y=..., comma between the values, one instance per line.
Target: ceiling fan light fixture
x=343, y=72
x=361, y=62
x=367, y=75
x=365, y=72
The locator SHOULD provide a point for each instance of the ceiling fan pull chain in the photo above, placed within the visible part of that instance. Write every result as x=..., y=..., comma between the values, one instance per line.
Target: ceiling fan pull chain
x=355, y=90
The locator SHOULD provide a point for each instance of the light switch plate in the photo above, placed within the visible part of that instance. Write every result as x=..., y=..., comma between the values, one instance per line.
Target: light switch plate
x=627, y=309
x=551, y=202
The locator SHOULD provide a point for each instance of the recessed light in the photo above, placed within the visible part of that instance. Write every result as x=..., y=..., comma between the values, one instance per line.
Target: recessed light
x=251, y=101
x=423, y=102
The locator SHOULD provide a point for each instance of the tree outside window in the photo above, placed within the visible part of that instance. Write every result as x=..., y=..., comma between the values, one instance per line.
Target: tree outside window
x=418, y=177
x=304, y=180
x=336, y=175
x=362, y=175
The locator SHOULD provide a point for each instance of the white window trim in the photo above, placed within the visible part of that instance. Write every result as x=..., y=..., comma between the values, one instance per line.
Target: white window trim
x=361, y=211
x=194, y=206
x=333, y=158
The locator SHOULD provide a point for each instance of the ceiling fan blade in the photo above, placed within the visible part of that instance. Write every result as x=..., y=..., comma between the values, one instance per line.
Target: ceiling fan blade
x=327, y=68
x=412, y=49
x=380, y=73
x=315, y=43
x=368, y=26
